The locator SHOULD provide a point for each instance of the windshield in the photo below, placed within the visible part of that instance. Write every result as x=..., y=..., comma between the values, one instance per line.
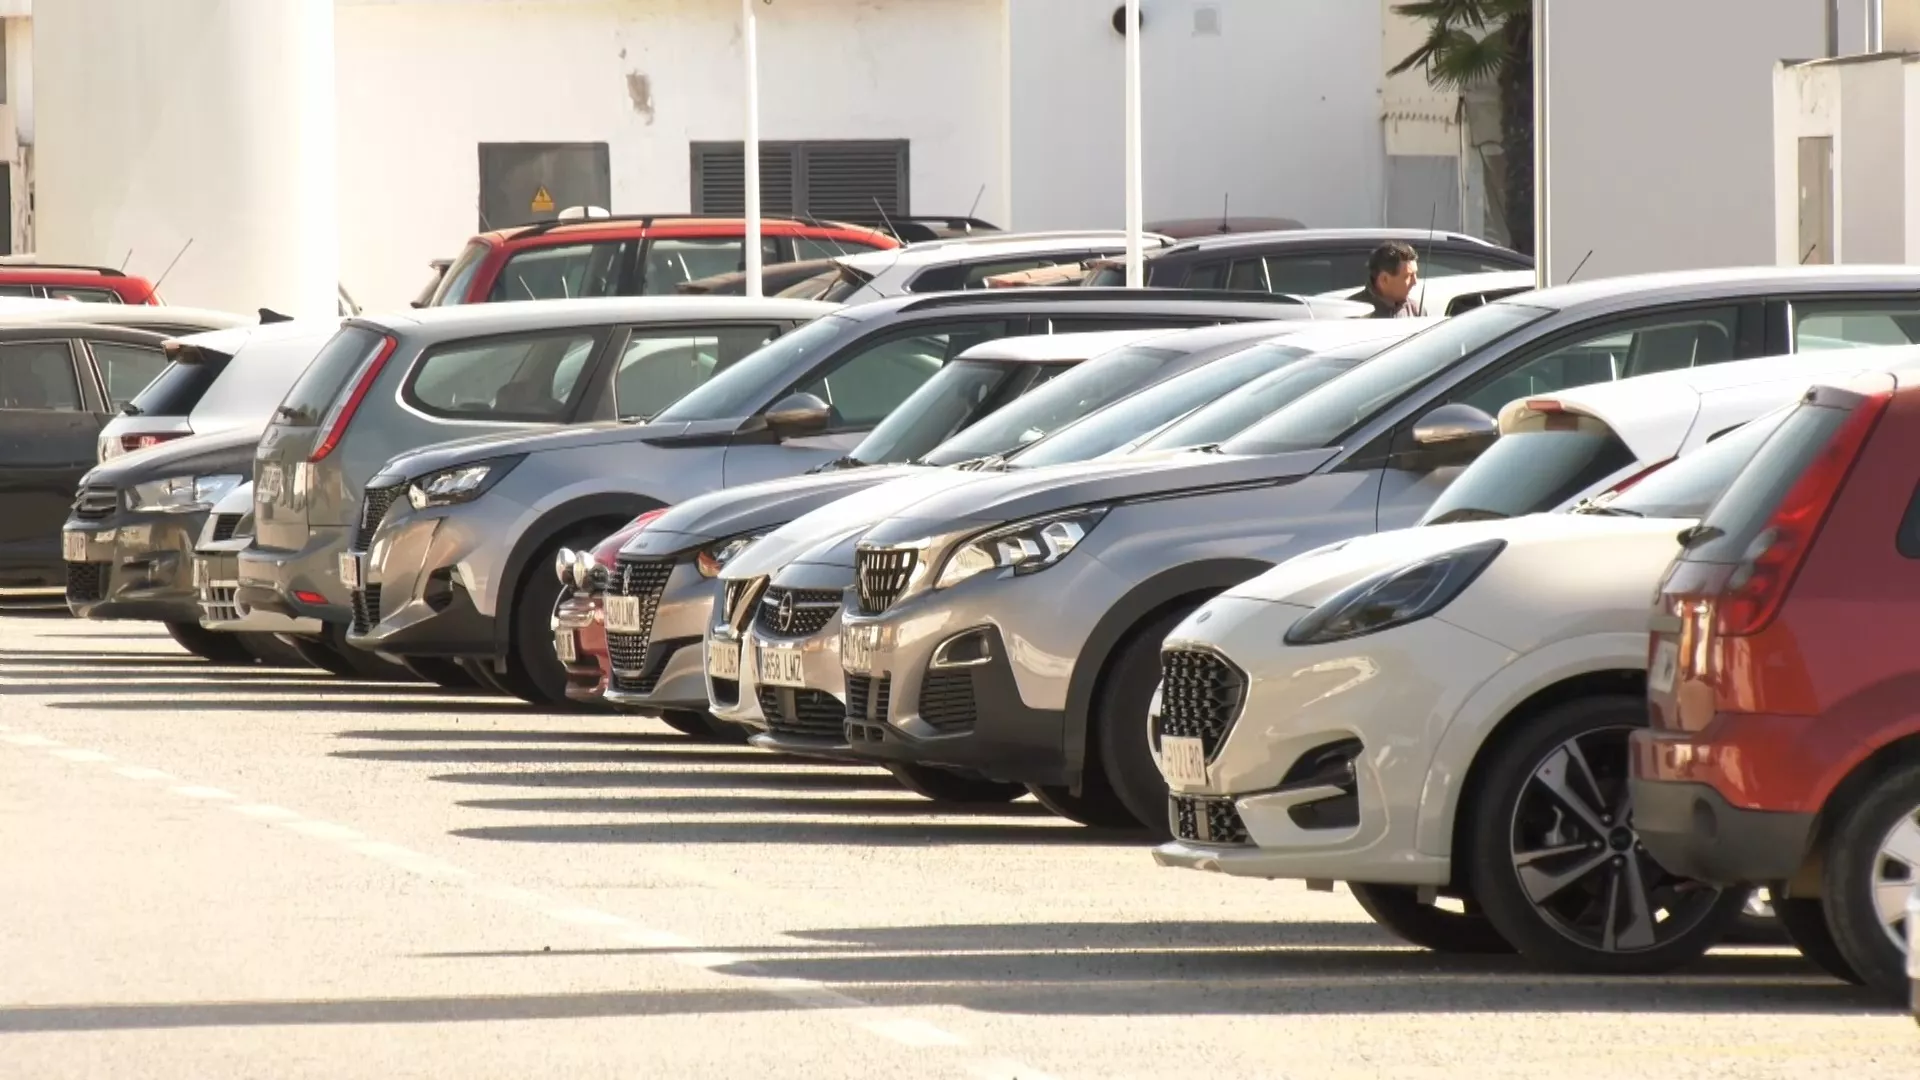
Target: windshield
x=178, y=387
x=1055, y=405
x=1325, y=415
x=1690, y=486
x=1145, y=410
x=313, y=393
x=941, y=406
x=1529, y=472
x=1229, y=416
x=459, y=277
x=736, y=392
x=847, y=281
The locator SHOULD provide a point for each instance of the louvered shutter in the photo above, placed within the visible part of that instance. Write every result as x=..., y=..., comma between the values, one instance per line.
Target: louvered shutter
x=839, y=180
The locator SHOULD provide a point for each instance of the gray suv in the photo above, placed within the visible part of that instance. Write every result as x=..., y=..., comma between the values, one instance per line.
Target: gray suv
x=389, y=384
x=1012, y=628
x=461, y=566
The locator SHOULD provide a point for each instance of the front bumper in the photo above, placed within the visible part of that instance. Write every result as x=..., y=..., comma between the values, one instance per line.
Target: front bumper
x=416, y=592
x=269, y=578
x=662, y=666
x=577, y=627
x=216, y=578
x=133, y=565
x=810, y=718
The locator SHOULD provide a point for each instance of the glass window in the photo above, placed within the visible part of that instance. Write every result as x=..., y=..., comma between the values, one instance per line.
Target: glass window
x=877, y=376
x=1529, y=472
x=327, y=376
x=806, y=248
x=179, y=387
x=736, y=393
x=1448, y=263
x=1248, y=275
x=38, y=375
x=974, y=275
x=126, y=369
x=659, y=367
x=83, y=295
x=1099, y=381
x=1323, y=416
x=564, y=272
x=1311, y=275
x=850, y=281
x=943, y=405
x=1232, y=414
x=1642, y=346
x=1690, y=486
x=1845, y=325
x=1738, y=516
x=1113, y=277
x=1210, y=276
x=673, y=261
x=533, y=378
x=458, y=279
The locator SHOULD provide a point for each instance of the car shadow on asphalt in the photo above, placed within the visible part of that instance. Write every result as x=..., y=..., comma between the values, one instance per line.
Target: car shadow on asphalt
x=478, y=755
x=759, y=804
x=927, y=833
x=431, y=735
x=316, y=699
x=754, y=779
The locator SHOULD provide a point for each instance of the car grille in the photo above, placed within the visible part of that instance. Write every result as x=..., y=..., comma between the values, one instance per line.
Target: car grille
x=224, y=526
x=868, y=698
x=809, y=713
x=1200, y=696
x=627, y=652
x=882, y=575
x=366, y=608
x=946, y=700
x=796, y=613
x=1206, y=820
x=218, y=602
x=96, y=503
x=373, y=510
x=86, y=581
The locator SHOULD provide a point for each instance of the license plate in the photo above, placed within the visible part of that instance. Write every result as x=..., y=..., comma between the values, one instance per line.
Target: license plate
x=350, y=570
x=623, y=614
x=271, y=483
x=1666, y=658
x=780, y=666
x=73, y=546
x=723, y=659
x=856, y=649
x=1183, y=759
x=565, y=646
x=199, y=572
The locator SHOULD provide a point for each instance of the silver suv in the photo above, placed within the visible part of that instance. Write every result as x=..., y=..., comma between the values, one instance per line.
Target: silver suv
x=967, y=262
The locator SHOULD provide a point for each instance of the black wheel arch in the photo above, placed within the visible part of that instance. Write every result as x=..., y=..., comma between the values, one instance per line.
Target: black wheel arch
x=616, y=508
x=1851, y=789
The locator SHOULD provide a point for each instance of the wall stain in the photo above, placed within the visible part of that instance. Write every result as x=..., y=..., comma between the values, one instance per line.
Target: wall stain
x=640, y=93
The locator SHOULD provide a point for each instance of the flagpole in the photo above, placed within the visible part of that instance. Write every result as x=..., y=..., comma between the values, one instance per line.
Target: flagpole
x=1136, y=268
x=750, y=32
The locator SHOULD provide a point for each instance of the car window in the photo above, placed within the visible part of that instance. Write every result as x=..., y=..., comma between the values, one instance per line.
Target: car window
x=875, y=377
x=38, y=375
x=1227, y=416
x=1107, y=277
x=1839, y=324
x=943, y=405
x=736, y=393
x=313, y=393
x=19, y=290
x=1311, y=275
x=1248, y=275
x=126, y=369
x=179, y=387
x=808, y=248
x=673, y=261
x=1691, y=485
x=458, y=279
x=534, y=378
x=1444, y=263
x=1067, y=398
x=82, y=294
x=659, y=367
x=1738, y=516
x=564, y=272
x=1529, y=472
x=1619, y=350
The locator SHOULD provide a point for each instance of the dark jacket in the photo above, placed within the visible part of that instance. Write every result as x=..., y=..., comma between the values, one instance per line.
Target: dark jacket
x=1384, y=308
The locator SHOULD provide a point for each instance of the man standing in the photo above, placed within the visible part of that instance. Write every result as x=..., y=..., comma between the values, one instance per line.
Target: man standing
x=1392, y=271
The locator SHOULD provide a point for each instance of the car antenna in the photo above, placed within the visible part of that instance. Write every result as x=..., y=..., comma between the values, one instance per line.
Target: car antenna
x=171, y=265
x=125, y=261
x=884, y=219
x=975, y=208
x=1577, y=269
x=1226, y=206
x=1809, y=254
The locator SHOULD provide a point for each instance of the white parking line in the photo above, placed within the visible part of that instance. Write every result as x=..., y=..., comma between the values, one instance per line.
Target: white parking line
x=25, y=739
x=141, y=772
x=80, y=755
x=195, y=791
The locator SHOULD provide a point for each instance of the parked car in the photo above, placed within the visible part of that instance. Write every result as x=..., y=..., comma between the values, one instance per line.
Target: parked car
x=87, y=284
x=774, y=280
x=385, y=385
x=152, y=318
x=1193, y=228
x=580, y=625
x=214, y=382
x=1782, y=741
x=1089, y=567
x=59, y=382
x=806, y=400
x=630, y=255
x=1307, y=262
x=1453, y=294
x=1484, y=742
x=216, y=577
x=967, y=263
x=981, y=405
x=439, y=267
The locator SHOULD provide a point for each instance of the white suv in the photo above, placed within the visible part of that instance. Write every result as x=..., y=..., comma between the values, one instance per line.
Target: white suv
x=966, y=262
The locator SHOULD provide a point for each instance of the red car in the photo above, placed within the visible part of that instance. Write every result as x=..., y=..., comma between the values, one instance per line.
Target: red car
x=631, y=255
x=579, y=622
x=1785, y=690
x=90, y=284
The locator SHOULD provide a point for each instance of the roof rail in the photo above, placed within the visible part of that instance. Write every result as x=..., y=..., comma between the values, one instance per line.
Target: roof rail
x=103, y=271
x=1094, y=293
x=644, y=220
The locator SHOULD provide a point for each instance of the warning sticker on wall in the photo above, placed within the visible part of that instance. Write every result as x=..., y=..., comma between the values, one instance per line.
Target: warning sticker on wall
x=542, y=202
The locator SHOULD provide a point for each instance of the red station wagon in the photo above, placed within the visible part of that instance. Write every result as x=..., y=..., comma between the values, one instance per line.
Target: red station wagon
x=645, y=255
x=88, y=284
x=1785, y=682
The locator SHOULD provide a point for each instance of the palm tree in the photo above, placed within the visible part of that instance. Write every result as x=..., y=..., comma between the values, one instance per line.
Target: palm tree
x=1470, y=43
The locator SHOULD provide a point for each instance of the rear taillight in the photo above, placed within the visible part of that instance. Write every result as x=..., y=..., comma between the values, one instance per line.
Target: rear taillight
x=1638, y=476
x=130, y=443
x=342, y=414
x=1758, y=583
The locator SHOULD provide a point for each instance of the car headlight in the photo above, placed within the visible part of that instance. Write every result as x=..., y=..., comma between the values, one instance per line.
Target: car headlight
x=1025, y=547
x=1394, y=597
x=450, y=487
x=180, y=494
x=715, y=556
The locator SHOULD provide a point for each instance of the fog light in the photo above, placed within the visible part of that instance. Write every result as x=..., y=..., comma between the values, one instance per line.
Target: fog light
x=563, y=561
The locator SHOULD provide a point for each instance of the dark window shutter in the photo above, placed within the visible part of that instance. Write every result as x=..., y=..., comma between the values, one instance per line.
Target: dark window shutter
x=840, y=180
x=720, y=178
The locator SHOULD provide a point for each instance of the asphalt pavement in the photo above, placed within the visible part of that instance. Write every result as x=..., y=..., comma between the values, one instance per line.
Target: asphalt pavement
x=243, y=872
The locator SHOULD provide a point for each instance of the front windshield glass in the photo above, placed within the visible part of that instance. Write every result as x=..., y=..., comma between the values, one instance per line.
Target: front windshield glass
x=736, y=392
x=1691, y=485
x=1325, y=415
x=1141, y=412
x=1530, y=472
x=458, y=279
x=1066, y=399
x=1230, y=415
x=941, y=406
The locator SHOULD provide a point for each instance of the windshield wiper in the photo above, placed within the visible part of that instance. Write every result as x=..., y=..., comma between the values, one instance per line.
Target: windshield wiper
x=847, y=462
x=1606, y=511
x=1208, y=448
x=983, y=464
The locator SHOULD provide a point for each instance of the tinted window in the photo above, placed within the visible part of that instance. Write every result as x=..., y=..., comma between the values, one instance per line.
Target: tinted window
x=1739, y=515
x=659, y=367
x=739, y=391
x=807, y=248
x=851, y=281
x=458, y=279
x=1528, y=472
x=126, y=369
x=672, y=261
x=1314, y=274
x=812, y=288
x=83, y=295
x=533, y=378
x=1445, y=263
x=1842, y=324
x=974, y=275
x=566, y=272
x=944, y=405
x=1107, y=277
x=1230, y=415
x=327, y=376
x=179, y=387
x=1622, y=349
x=1324, y=415
x=1248, y=275
x=1093, y=384
x=878, y=375
x=38, y=375
x=1689, y=486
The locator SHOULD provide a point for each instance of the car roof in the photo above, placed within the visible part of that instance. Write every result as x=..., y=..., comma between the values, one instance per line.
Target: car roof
x=231, y=341
x=1041, y=348
x=989, y=245
x=1732, y=282
x=466, y=320
x=133, y=316
x=631, y=224
x=62, y=274
x=1230, y=241
x=1098, y=300
x=1333, y=333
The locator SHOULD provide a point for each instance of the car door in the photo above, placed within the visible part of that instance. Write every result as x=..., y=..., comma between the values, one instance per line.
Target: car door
x=48, y=424
x=655, y=366
x=121, y=369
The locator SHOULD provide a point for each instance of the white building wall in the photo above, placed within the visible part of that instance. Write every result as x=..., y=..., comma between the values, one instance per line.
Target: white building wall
x=1806, y=105
x=422, y=83
x=1872, y=228
x=1273, y=103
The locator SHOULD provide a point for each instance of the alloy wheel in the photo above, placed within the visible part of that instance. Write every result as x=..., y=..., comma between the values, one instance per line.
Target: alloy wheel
x=1896, y=867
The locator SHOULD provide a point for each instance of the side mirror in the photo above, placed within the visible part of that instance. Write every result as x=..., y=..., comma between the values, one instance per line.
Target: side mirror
x=799, y=414
x=1457, y=432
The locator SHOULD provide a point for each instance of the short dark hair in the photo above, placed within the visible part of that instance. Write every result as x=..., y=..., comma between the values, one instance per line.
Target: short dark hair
x=1388, y=258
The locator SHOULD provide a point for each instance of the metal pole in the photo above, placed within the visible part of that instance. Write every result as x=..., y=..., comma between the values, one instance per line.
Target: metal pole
x=750, y=31
x=1542, y=219
x=1136, y=214
x=1875, y=21
x=1833, y=28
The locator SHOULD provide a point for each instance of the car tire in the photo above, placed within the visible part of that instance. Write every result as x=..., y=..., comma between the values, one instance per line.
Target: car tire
x=1860, y=865
x=1804, y=920
x=210, y=645
x=366, y=664
x=271, y=651
x=1555, y=863
x=1399, y=911
x=533, y=672
x=947, y=786
x=446, y=674
x=1123, y=745
x=1095, y=806
x=317, y=652
x=687, y=722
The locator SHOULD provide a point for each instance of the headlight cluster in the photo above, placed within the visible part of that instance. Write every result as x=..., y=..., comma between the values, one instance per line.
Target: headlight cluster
x=181, y=494
x=1025, y=547
x=1395, y=597
x=715, y=556
x=465, y=483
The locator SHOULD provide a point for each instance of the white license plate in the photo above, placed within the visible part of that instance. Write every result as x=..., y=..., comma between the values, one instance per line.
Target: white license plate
x=723, y=659
x=856, y=649
x=781, y=666
x=565, y=646
x=623, y=614
x=1183, y=760
x=1666, y=659
x=271, y=482
x=73, y=546
x=350, y=570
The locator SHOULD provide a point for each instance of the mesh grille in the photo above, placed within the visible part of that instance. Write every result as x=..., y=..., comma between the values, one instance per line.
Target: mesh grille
x=796, y=613
x=1200, y=695
x=218, y=604
x=373, y=510
x=946, y=700
x=1206, y=820
x=645, y=579
x=86, y=581
x=810, y=713
x=882, y=575
x=224, y=526
x=366, y=608
x=96, y=503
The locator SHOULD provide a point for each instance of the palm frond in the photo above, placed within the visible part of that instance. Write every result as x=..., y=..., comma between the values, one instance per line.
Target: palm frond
x=1446, y=14
x=1465, y=45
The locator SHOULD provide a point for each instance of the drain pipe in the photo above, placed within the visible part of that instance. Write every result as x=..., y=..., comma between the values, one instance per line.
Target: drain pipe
x=1833, y=28
x=1875, y=20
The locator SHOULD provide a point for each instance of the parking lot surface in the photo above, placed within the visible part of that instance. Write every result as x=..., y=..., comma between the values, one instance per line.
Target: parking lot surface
x=212, y=871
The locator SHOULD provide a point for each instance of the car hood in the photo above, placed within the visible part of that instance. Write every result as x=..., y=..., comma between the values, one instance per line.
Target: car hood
x=848, y=517
x=532, y=440
x=751, y=508
x=217, y=453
